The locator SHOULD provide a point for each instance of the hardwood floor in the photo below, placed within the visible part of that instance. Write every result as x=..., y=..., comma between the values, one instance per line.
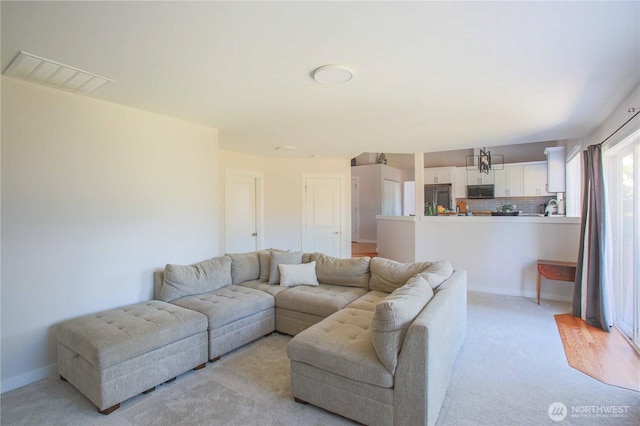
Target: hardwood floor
x=607, y=357
x=364, y=249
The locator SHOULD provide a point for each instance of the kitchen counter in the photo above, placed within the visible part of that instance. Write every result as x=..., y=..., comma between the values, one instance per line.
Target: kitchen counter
x=485, y=218
x=500, y=253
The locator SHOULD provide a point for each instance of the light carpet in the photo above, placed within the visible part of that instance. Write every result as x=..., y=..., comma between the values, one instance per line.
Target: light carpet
x=510, y=370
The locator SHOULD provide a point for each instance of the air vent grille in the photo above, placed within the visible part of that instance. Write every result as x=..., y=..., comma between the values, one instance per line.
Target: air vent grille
x=38, y=70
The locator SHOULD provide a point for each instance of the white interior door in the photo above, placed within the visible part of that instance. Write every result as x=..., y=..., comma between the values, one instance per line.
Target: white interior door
x=409, y=198
x=355, y=210
x=391, y=198
x=242, y=211
x=322, y=215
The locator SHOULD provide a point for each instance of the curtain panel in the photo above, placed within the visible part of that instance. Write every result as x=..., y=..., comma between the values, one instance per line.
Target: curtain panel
x=590, y=300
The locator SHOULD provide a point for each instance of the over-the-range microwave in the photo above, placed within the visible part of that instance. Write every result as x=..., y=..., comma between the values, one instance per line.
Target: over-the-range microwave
x=480, y=191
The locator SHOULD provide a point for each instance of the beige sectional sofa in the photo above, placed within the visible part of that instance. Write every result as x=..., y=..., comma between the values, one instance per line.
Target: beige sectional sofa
x=375, y=340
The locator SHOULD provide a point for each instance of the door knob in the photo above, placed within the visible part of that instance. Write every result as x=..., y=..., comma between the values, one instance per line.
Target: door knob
x=254, y=234
x=335, y=233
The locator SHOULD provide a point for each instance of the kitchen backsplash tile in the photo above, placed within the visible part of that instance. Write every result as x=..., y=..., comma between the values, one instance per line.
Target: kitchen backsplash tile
x=527, y=205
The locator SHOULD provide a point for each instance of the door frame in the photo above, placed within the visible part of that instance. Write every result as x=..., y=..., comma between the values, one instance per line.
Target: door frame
x=259, y=177
x=357, y=198
x=345, y=230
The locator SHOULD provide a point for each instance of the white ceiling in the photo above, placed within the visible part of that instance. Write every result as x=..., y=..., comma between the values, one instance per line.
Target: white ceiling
x=429, y=76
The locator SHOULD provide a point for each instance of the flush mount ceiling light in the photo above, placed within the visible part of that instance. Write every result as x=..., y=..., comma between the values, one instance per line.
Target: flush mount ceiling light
x=285, y=148
x=38, y=70
x=332, y=74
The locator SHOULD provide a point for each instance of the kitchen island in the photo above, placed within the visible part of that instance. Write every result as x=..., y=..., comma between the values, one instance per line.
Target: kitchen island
x=500, y=253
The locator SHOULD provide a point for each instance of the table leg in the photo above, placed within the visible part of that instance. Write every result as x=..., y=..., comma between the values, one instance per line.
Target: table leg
x=539, y=287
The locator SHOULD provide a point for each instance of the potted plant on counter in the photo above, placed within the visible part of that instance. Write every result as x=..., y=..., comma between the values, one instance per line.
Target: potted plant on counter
x=506, y=210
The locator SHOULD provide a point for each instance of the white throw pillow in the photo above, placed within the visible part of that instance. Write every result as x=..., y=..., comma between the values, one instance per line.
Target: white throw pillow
x=302, y=274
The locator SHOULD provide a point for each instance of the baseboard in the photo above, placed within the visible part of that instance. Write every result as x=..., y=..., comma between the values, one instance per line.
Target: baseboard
x=27, y=378
x=528, y=294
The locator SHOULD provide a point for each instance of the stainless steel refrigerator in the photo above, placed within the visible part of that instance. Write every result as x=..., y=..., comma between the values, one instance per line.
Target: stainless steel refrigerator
x=438, y=195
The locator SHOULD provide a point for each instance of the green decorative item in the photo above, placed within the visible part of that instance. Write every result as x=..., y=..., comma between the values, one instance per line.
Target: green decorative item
x=430, y=210
x=505, y=208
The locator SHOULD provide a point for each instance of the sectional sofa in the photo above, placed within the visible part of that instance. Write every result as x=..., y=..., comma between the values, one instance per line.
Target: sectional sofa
x=375, y=340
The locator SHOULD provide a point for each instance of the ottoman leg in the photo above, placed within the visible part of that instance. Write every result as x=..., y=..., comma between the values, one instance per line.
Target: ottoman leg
x=300, y=401
x=201, y=366
x=109, y=410
x=170, y=380
x=63, y=379
x=149, y=390
x=214, y=359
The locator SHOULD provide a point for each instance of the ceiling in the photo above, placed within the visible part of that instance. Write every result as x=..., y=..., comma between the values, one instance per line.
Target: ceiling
x=428, y=76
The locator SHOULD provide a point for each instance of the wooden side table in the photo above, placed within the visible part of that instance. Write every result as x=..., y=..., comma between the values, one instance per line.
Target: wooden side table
x=555, y=270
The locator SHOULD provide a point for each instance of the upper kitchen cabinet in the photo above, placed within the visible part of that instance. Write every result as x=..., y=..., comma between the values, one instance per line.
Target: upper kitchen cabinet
x=509, y=181
x=534, y=179
x=460, y=182
x=438, y=175
x=474, y=177
x=556, y=165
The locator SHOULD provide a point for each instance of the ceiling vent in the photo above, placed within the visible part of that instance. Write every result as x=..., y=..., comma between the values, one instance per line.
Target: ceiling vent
x=53, y=74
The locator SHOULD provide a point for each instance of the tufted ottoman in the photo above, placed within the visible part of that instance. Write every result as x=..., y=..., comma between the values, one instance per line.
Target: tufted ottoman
x=113, y=355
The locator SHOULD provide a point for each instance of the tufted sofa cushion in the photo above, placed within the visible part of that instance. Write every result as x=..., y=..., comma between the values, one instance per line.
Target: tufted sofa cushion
x=110, y=337
x=341, y=345
x=263, y=286
x=369, y=301
x=322, y=300
x=227, y=304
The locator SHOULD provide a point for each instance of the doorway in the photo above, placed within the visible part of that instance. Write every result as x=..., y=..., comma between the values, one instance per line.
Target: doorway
x=322, y=214
x=355, y=209
x=243, y=211
x=623, y=179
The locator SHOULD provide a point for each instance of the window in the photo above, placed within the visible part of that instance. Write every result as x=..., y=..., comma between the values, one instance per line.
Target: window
x=623, y=183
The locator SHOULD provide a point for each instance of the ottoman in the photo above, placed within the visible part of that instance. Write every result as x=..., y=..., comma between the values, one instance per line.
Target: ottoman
x=113, y=355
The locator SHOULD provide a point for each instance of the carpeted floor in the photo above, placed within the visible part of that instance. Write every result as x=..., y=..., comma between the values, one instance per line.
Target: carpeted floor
x=511, y=369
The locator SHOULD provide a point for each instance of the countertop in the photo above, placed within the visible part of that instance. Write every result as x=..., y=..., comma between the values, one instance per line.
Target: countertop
x=556, y=219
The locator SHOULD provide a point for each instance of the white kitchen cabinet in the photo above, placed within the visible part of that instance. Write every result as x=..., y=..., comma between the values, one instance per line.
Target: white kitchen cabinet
x=474, y=177
x=556, y=165
x=438, y=175
x=508, y=181
x=500, y=182
x=460, y=182
x=513, y=180
x=534, y=177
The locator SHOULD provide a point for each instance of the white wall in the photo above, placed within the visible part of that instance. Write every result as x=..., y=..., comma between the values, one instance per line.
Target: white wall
x=283, y=195
x=616, y=119
x=95, y=197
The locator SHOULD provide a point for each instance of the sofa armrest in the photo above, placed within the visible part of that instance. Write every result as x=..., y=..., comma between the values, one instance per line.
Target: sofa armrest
x=428, y=353
x=158, y=278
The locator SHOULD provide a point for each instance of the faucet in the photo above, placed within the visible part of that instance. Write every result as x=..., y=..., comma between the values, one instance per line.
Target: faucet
x=551, y=206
